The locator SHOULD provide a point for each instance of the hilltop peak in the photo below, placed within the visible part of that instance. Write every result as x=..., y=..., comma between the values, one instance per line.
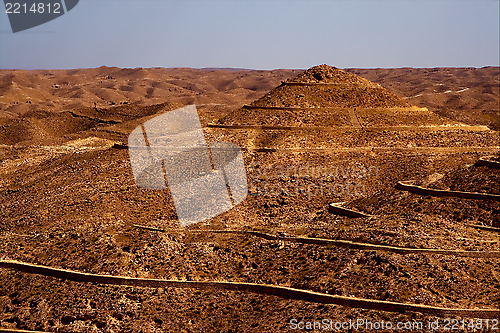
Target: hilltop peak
x=327, y=74
x=329, y=87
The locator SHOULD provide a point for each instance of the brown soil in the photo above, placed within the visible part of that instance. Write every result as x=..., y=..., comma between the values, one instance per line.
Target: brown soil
x=68, y=200
x=466, y=178
x=469, y=95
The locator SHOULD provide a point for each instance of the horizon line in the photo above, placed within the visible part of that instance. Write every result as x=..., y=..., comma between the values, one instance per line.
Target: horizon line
x=243, y=68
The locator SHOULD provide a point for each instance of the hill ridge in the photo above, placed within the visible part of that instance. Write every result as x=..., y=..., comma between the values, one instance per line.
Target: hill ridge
x=327, y=86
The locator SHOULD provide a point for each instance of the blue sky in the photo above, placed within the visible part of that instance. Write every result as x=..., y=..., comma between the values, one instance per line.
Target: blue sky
x=260, y=34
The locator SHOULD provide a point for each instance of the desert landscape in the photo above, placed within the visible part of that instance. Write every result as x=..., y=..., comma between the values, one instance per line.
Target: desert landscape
x=373, y=194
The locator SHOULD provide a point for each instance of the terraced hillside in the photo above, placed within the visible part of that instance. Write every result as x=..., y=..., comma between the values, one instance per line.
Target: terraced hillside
x=69, y=201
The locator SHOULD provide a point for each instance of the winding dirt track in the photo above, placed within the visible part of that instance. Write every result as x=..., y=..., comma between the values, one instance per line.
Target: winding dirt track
x=262, y=289
x=377, y=149
x=342, y=84
x=380, y=149
x=444, y=193
x=339, y=210
x=488, y=163
x=342, y=243
x=300, y=108
x=355, y=124
x=5, y=330
x=484, y=227
x=422, y=150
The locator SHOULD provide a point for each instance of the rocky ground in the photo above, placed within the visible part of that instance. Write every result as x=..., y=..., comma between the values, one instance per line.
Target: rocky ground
x=69, y=200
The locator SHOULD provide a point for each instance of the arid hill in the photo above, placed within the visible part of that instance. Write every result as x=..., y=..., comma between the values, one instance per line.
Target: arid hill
x=325, y=86
x=59, y=90
x=469, y=95
x=68, y=200
x=464, y=94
